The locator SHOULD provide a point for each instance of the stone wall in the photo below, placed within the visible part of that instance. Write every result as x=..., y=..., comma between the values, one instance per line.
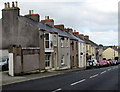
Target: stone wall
x=24, y=60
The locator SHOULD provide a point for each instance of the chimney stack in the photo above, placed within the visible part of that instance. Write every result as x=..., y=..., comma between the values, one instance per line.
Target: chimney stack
x=81, y=36
x=86, y=37
x=8, y=4
x=13, y=5
x=33, y=16
x=48, y=21
x=76, y=33
x=70, y=30
x=61, y=27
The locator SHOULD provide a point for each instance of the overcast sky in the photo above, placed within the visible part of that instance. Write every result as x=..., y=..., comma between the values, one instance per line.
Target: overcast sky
x=96, y=18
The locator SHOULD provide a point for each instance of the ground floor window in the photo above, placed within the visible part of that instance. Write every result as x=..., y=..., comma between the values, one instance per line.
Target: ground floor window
x=47, y=60
x=62, y=60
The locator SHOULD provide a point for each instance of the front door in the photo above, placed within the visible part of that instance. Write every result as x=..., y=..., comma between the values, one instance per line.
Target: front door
x=47, y=61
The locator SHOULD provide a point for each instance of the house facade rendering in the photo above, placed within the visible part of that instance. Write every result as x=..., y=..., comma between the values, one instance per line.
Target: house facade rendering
x=110, y=52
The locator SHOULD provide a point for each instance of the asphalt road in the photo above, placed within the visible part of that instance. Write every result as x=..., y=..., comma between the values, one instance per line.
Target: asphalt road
x=102, y=79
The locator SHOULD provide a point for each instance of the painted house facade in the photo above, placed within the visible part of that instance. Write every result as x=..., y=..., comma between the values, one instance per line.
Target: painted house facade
x=110, y=52
x=81, y=51
x=63, y=48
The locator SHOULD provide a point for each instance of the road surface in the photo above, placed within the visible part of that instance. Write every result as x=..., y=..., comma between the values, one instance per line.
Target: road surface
x=100, y=79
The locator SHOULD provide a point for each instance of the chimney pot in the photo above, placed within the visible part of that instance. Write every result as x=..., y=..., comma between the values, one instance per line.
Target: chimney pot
x=5, y=5
x=30, y=12
x=16, y=4
x=8, y=4
x=13, y=5
x=46, y=17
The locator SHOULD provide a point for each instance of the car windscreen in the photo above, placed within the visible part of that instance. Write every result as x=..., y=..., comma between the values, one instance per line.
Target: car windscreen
x=2, y=59
x=102, y=61
x=90, y=61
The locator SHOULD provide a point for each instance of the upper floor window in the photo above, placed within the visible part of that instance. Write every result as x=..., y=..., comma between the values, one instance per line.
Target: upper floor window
x=72, y=45
x=48, y=42
x=55, y=40
x=62, y=42
x=76, y=46
x=67, y=42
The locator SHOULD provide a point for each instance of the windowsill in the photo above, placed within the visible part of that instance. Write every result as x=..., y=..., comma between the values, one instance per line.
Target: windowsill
x=63, y=64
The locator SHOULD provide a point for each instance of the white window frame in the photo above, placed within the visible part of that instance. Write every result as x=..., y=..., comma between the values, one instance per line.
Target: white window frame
x=55, y=40
x=49, y=41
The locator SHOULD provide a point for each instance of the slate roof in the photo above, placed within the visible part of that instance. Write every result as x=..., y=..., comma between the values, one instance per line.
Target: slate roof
x=112, y=47
x=43, y=26
x=73, y=37
x=89, y=42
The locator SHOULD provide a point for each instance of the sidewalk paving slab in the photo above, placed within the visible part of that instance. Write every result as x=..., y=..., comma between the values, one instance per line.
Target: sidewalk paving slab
x=6, y=79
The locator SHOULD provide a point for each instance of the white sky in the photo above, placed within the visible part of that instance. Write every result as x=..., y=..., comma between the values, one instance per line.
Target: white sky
x=96, y=18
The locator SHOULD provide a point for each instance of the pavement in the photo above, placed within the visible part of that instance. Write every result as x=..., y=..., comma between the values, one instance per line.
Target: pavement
x=101, y=79
x=6, y=79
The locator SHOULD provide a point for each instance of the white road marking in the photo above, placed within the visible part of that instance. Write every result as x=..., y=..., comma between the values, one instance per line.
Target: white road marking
x=57, y=90
x=77, y=82
x=102, y=72
x=94, y=76
x=109, y=69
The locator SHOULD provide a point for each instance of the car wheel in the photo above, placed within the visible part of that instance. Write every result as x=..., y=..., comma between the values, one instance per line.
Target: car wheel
x=3, y=68
x=90, y=64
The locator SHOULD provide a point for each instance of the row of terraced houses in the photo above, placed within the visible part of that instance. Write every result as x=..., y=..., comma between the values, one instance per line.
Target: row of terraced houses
x=36, y=44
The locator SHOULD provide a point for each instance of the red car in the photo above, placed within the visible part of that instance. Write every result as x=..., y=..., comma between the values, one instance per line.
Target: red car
x=103, y=63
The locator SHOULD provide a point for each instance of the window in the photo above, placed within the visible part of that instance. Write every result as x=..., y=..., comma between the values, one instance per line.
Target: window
x=62, y=60
x=76, y=46
x=67, y=42
x=47, y=60
x=48, y=43
x=46, y=40
x=55, y=40
x=62, y=42
x=72, y=44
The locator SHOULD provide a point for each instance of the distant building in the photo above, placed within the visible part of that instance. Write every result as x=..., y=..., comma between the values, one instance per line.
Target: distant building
x=110, y=52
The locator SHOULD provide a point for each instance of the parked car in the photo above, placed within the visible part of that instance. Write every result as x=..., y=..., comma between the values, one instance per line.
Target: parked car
x=114, y=62
x=3, y=64
x=111, y=62
x=118, y=62
x=103, y=63
x=92, y=63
